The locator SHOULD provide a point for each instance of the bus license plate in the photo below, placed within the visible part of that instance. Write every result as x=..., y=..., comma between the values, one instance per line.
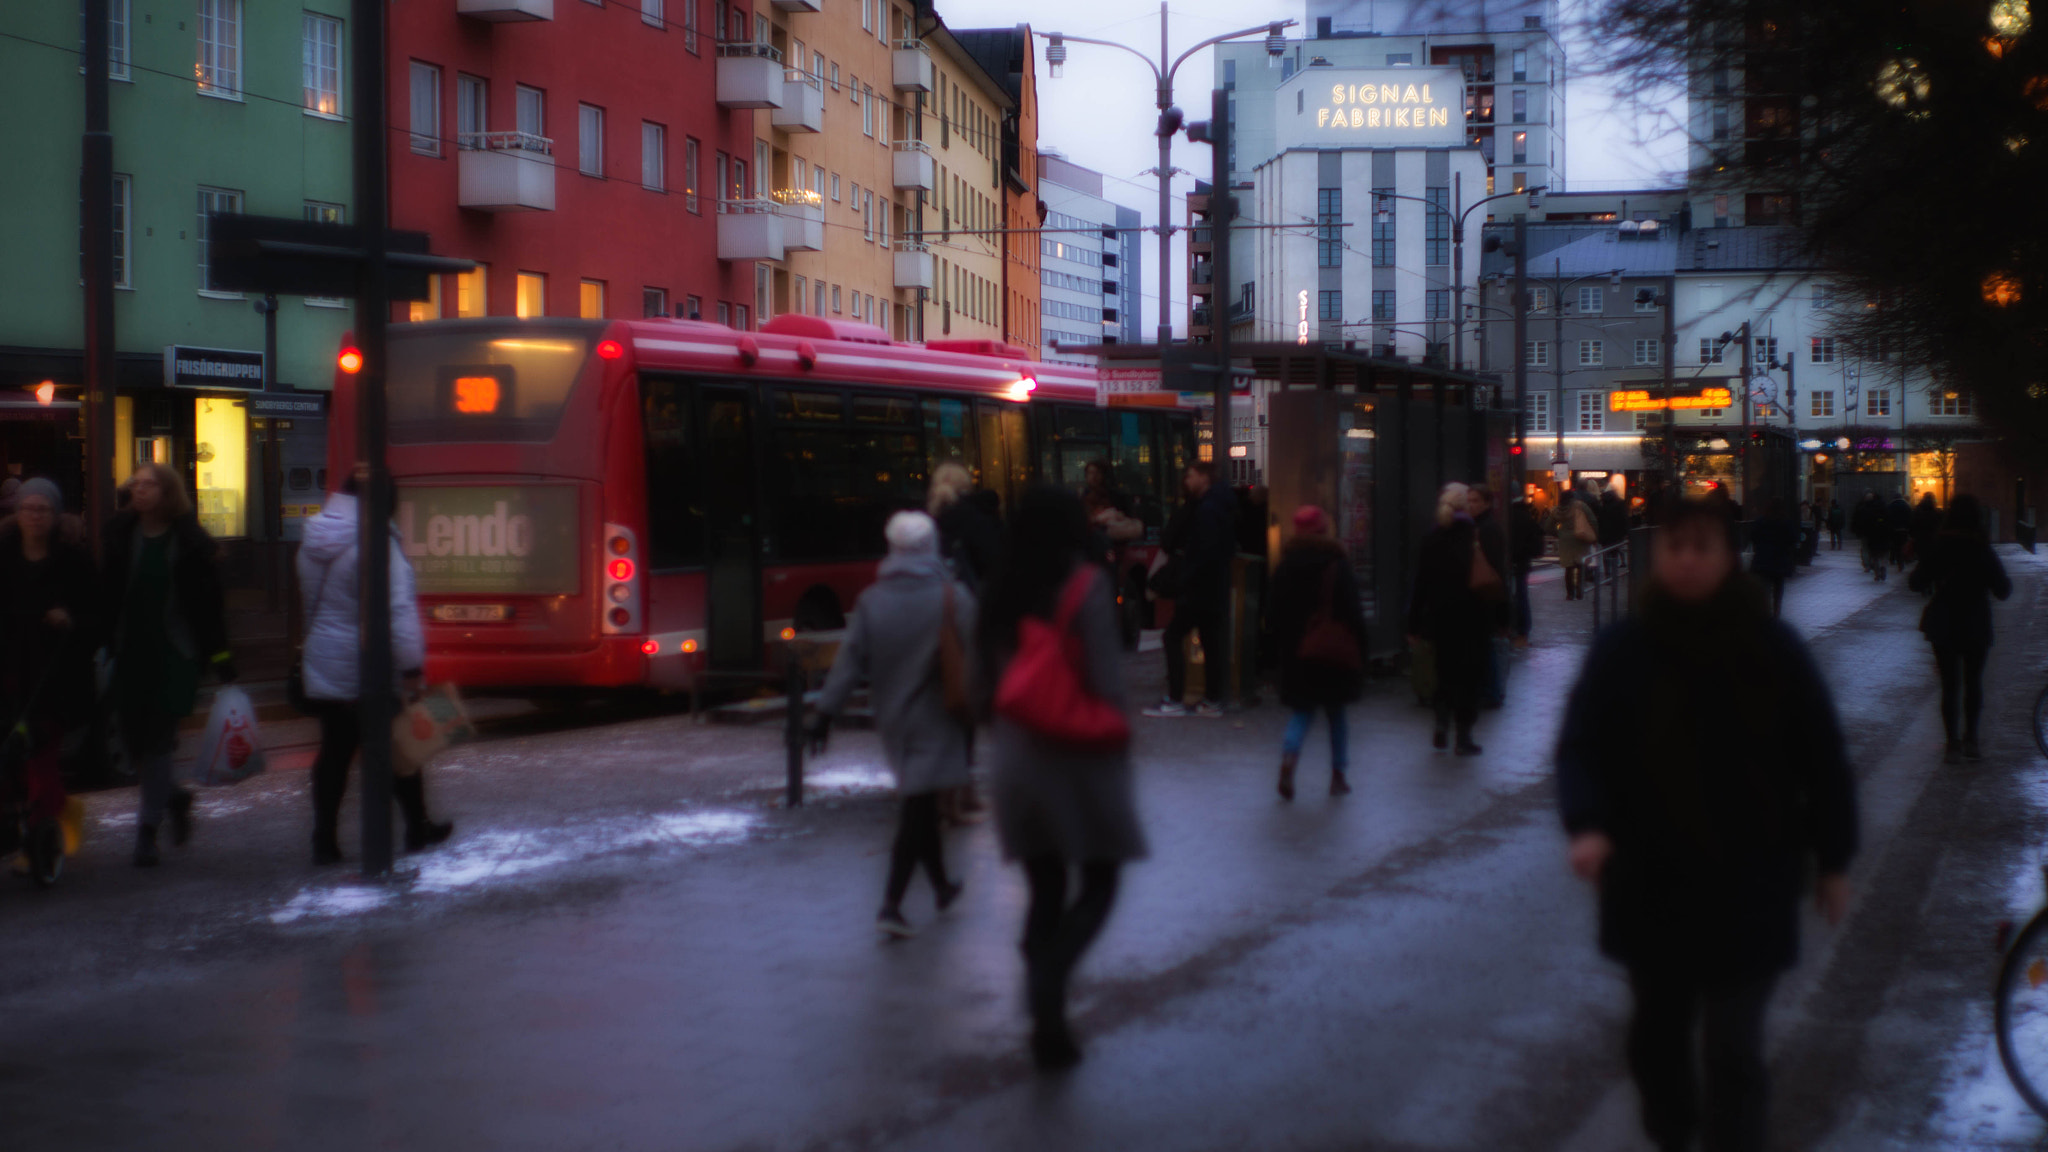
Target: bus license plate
x=472, y=613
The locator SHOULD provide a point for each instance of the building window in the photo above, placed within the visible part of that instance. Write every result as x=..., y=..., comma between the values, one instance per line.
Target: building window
x=428, y=309
x=867, y=216
x=690, y=25
x=214, y=201
x=1520, y=63
x=1521, y=150
x=693, y=307
x=835, y=187
x=1950, y=404
x=1592, y=411
x=322, y=65
x=1766, y=350
x=117, y=39
x=426, y=109
x=1823, y=350
x=590, y=140
x=1646, y=300
x=1330, y=231
x=472, y=297
x=1521, y=182
x=1521, y=105
x=1711, y=350
x=867, y=111
x=219, y=69
x=472, y=111
x=1877, y=402
x=799, y=298
x=1536, y=353
x=650, y=11
x=1436, y=227
x=653, y=157
x=725, y=313
x=818, y=298
x=1592, y=300
x=654, y=302
x=590, y=300
x=324, y=213
x=1647, y=352
x=690, y=173
x=1823, y=403
x=835, y=300
x=531, y=298
x=1383, y=305
x=1537, y=407
x=1383, y=227
x=1436, y=304
x=1592, y=353
x=764, y=282
x=1329, y=305
x=1720, y=122
x=739, y=317
x=121, y=244
x=529, y=112
x=1539, y=299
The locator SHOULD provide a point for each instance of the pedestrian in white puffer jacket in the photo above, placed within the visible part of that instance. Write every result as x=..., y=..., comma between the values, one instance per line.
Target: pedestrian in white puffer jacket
x=328, y=584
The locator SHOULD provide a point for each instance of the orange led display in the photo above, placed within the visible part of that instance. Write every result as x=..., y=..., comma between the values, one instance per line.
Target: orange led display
x=476, y=395
x=1644, y=401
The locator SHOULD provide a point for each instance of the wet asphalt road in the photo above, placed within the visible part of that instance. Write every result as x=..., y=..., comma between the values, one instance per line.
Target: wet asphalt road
x=630, y=945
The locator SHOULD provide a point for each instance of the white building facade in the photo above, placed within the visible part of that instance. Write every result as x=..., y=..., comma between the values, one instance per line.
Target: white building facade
x=1090, y=270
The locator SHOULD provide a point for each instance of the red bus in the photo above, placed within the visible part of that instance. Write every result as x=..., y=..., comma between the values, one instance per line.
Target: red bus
x=597, y=504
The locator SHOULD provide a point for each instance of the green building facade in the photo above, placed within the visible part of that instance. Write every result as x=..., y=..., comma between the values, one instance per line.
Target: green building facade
x=230, y=105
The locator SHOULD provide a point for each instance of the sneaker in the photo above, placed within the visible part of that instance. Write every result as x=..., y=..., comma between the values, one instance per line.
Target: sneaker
x=1207, y=710
x=891, y=923
x=1167, y=708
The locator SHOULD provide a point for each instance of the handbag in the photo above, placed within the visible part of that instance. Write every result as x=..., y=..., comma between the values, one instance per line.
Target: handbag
x=1326, y=641
x=428, y=726
x=952, y=661
x=1582, y=524
x=1484, y=581
x=1043, y=690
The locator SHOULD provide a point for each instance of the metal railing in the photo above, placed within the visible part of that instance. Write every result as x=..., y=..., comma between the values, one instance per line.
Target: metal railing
x=749, y=49
x=504, y=142
x=1601, y=572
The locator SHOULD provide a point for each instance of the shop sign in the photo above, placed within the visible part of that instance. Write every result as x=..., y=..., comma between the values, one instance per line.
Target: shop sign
x=490, y=539
x=213, y=369
x=1375, y=108
x=288, y=404
x=1643, y=400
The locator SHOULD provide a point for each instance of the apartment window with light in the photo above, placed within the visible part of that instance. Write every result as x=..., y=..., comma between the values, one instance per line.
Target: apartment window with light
x=1539, y=299
x=590, y=140
x=531, y=297
x=471, y=292
x=1821, y=403
x=1950, y=404
x=590, y=300
x=1383, y=209
x=214, y=201
x=219, y=69
x=321, y=59
x=690, y=152
x=1647, y=352
x=1592, y=411
x=428, y=309
x=1592, y=301
x=1591, y=354
x=1536, y=353
x=1521, y=151
x=1521, y=182
x=1537, y=407
x=1823, y=350
x=1877, y=402
x=426, y=109
x=654, y=302
x=653, y=157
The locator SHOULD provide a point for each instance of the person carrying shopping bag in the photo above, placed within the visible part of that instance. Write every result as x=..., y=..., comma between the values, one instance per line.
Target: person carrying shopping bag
x=330, y=667
x=167, y=624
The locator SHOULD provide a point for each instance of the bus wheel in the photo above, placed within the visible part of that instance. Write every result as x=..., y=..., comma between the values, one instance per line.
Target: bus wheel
x=818, y=610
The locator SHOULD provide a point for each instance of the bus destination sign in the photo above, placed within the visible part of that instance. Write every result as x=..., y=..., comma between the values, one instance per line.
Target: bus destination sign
x=490, y=539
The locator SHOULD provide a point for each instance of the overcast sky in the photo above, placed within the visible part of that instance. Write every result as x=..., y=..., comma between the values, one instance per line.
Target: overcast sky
x=1100, y=113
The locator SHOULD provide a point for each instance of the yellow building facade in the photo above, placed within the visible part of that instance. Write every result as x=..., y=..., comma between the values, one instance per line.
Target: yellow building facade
x=964, y=217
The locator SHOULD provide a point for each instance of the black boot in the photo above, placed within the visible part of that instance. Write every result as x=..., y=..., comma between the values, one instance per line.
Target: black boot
x=180, y=811
x=420, y=832
x=146, y=855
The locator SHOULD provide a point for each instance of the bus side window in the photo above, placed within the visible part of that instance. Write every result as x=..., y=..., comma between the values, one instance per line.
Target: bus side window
x=675, y=506
x=1134, y=455
x=949, y=435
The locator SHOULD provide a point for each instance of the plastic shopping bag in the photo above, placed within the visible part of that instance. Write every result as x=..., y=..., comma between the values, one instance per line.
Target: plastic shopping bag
x=428, y=725
x=229, y=751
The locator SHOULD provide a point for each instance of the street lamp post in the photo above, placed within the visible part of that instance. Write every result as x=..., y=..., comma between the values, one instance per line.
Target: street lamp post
x=1170, y=120
x=1459, y=216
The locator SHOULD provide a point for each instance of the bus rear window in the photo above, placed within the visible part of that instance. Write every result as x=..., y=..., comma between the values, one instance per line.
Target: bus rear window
x=474, y=386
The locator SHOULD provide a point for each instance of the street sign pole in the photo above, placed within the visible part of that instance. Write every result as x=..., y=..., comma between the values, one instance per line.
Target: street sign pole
x=96, y=201
x=373, y=312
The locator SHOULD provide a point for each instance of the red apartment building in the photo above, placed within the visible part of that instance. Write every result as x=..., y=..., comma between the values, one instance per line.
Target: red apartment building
x=566, y=146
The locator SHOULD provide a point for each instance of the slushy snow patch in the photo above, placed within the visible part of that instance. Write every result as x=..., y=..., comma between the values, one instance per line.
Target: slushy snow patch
x=328, y=903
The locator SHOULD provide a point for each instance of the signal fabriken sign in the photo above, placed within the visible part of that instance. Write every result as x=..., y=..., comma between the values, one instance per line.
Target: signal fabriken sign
x=1373, y=108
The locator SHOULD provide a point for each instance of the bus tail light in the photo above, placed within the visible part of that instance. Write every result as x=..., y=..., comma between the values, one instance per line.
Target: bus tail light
x=618, y=574
x=649, y=647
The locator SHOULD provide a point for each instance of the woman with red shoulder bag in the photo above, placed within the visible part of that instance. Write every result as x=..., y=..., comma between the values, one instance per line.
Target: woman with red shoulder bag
x=1064, y=802
x=1319, y=631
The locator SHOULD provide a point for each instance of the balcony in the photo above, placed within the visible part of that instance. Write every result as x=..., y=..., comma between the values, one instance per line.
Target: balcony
x=1199, y=316
x=1205, y=271
x=912, y=66
x=749, y=230
x=506, y=172
x=749, y=76
x=506, y=11
x=803, y=219
x=803, y=107
x=799, y=5
x=914, y=166
x=914, y=265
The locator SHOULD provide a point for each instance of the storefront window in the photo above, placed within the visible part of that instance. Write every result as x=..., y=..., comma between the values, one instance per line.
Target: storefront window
x=221, y=464
x=1930, y=473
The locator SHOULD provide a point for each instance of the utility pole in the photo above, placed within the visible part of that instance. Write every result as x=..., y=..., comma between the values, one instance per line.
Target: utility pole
x=96, y=197
x=1557, y=361
x=1743, y=452
x=1168, y=123
x=1669, y=414
x=1521, y=306
x=373, y=313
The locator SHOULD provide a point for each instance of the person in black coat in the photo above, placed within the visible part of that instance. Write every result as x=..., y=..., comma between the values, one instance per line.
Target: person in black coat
x=1319, y=630
x=1924, y=526
x=1774, y=543
x=1836, y=519
x=1493, y=542
x=1449, y=613
x=1898, y=517
x=1698, y=822
x=1963, y=573
x=1203, y=548
x=1869, y=527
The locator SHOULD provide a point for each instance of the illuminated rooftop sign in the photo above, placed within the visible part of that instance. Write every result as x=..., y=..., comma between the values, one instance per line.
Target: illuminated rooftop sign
x=1646, y=401
x=1373, y=108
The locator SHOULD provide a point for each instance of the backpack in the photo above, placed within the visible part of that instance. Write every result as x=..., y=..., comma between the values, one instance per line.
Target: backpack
x=1043, y=690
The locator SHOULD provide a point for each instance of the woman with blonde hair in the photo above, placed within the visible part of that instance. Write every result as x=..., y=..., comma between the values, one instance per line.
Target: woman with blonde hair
x=969, y=538
x=166, y=626
x=1448, y=609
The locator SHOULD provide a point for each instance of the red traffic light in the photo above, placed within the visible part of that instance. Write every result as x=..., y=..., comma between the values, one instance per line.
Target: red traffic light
x=1514, y=450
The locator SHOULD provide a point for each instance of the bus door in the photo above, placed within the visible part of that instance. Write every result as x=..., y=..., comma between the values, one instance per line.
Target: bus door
x=732, y=624
x=1005, y=450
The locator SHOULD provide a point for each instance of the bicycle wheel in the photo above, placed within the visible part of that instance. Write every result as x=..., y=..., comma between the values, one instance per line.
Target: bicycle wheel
x=2022, y=1012
x=2041, y=721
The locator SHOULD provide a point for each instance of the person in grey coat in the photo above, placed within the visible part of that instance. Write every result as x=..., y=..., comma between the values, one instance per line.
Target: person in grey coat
x=892, y=642
x=1058, y=809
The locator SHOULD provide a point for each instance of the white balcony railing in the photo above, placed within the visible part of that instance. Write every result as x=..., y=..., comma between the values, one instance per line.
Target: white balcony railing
x=750, y=230
x=505, y=172
x=749, y=76
x=799, y=5
x=914, y=167
x=803, y=103
x=803, y=219
x=914, y=265
x=912, y=66
x=506, y=11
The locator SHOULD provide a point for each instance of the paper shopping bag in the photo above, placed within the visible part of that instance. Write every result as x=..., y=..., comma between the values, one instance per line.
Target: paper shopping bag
x=430, y=724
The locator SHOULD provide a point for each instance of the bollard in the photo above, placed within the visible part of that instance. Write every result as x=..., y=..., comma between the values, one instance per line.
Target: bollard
x=794, y=724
